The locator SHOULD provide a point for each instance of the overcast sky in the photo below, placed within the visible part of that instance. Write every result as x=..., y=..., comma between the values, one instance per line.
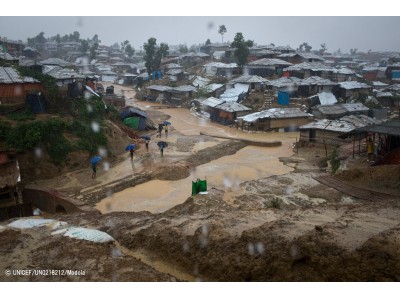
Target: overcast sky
x=378, y=33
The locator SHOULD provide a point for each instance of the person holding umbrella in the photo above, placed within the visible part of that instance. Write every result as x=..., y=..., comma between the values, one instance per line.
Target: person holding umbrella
x=166, y=123
x=93, y=161
x=146, y=139
x=162, y=145
x=131, y=149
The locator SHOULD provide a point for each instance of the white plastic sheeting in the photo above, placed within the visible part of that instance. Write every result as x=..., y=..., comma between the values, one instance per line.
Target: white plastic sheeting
x=92, y=235
x=59, y=227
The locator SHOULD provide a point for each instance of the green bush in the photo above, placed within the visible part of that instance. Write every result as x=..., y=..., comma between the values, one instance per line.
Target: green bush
x=335, y=162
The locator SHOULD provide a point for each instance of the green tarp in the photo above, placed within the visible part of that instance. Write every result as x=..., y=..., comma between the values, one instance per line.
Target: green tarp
x=132, y=122
x=199, y=186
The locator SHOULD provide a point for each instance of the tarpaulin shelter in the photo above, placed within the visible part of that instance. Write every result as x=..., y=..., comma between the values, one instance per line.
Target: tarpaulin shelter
x=199, y=186
x=134, y=118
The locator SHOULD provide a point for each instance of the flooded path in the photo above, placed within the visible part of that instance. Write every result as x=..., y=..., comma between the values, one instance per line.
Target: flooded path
x=225, y=173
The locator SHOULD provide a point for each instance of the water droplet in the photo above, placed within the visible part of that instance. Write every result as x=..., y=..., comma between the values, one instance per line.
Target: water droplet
x=102, y=151
x=95, y=126
x=110, y=192
x=185, y=247
x=260, y=248
x=106, y=166
x=227, y=181
x=115, y=252
x=250, y=249
x=87, y=95
x=204, y=229
x=38, y=153
x=89, y=108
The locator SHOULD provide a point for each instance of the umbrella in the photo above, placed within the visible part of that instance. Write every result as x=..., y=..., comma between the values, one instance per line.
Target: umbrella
x=146, y=137
x=166, y=123
x=130, y=147
x=95, y=159
x=163, y=144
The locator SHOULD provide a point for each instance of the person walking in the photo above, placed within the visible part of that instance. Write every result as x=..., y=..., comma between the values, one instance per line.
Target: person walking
x=131, y=153
x=166, y=130
x=147, y=145
x=162, y=150
x=94, y=168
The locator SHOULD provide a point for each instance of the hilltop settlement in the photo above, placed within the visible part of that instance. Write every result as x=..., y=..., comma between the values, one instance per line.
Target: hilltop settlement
x=330, y=214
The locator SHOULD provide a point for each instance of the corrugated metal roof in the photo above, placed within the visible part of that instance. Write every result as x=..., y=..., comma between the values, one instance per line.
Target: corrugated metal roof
x=173, y=66
x=379, y=84
x=335, y=109
x=55, y=61
x=191, y=54
x=391, y=128
x=221, y=65
x=60, y=73
x=234, y=93
x=160, y=88
x=275, y=113
x=249, y=79
x=394, y=88
x=374, y=68
x=184, y=88
x=174, y=71
x=285, y=81
x=213, y=87
x=212, y=102
x=232, y=107
x=269, y=62
x=9, y=75
x=314, y=66
x=7, y=56
x=200, y=81
x=326, y=98
x=351, y=107
x=384, y=94
x=351, y=85
x=344, y=71
x=330, y=125
x=316, y=80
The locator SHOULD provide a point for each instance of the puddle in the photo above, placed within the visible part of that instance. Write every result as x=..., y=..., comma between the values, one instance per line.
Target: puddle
x=225, y=173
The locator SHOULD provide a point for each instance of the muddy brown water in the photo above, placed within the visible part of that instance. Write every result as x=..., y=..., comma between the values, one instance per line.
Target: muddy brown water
x=225, y=173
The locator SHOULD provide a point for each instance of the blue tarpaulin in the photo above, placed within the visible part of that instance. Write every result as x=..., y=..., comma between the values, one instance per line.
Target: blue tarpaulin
x=283, y=98
x=396, y=74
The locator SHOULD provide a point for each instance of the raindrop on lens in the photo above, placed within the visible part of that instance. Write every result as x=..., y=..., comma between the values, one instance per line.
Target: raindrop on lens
x=227, y=182
x=250, y=249
x=185, y=247
x=106, y=166
x=95, y=127
x=38, y=153
x=89, y=108
x=102, y=151
x=116, y=252
x=260, y=248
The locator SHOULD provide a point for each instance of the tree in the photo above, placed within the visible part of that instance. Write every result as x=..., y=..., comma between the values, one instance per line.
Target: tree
x=242, y=50
x=208, y=42
x=95, y=39
x=129, y=50
x=75, y=37
x=222, y=30
x=124, y=44
x=93, y=49
x=323, y=49
x=353, y=51
x=84, y=46
x=305, y=47
x=154, y=54
x=183, y=49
